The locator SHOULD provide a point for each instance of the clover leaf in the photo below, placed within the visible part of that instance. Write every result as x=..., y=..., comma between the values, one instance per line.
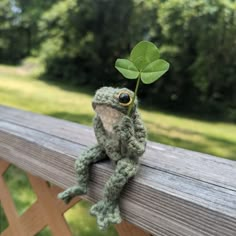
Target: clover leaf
x=143, y=54
x=143, y=64
x=127, y=68
x=154, y=71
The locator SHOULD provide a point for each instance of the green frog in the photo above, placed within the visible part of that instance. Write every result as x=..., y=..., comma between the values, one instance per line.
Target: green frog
x=122, y=139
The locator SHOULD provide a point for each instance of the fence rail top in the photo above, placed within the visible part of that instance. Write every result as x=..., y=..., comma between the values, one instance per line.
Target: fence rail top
x=176, y=192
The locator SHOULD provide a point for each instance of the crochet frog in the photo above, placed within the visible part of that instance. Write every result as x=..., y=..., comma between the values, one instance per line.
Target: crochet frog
x=122, y=139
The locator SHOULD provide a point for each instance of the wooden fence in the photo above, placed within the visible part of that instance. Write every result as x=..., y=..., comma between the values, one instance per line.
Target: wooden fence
x=176, y=192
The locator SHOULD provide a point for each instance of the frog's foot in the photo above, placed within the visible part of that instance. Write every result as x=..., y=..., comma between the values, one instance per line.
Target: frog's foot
x=70, y=193
x=106, y=212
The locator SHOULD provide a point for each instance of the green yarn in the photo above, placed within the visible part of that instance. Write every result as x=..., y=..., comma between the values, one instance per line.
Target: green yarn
x=124, y=143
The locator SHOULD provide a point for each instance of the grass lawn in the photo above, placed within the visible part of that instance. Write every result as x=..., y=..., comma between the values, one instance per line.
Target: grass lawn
x=21, y=88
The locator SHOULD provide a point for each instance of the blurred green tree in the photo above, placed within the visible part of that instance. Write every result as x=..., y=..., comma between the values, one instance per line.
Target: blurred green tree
x=200, y=41
x=18, y=28
x=83, y=38
x=9, y=50
x=31, y=11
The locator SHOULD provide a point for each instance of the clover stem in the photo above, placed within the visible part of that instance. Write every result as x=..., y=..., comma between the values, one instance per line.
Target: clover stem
x=135, y=94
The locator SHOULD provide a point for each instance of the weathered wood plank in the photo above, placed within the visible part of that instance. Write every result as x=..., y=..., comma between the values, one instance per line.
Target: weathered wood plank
x=126, y=229
x=168, y=157
x=177, y=192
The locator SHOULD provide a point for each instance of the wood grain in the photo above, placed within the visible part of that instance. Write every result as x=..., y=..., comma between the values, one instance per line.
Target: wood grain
x=176, y=192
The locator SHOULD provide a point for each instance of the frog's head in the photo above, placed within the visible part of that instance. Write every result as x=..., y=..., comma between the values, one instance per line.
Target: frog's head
x=115, y=98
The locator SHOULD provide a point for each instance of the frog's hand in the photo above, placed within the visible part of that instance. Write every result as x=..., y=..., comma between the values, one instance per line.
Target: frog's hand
x=133, y=134
x=99, y=130
x=89, y=156
x=71, y=192
x=107, y=211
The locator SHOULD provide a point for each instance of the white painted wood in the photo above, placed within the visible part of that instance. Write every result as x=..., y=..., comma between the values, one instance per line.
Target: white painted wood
x=176, y=192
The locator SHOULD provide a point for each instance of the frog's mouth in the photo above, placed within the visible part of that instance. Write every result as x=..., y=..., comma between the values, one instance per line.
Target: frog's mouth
x=108, y=115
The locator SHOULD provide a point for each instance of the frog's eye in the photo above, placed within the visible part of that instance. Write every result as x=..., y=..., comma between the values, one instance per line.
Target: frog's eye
x=124, y=99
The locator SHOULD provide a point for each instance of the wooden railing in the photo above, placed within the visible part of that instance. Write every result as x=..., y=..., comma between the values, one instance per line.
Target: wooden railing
x=176, y=192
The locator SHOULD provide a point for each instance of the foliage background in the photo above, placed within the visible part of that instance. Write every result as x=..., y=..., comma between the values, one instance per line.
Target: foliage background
x=78, y=41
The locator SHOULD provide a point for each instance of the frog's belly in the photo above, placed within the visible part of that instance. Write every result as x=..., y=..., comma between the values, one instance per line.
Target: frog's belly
x=109, y=116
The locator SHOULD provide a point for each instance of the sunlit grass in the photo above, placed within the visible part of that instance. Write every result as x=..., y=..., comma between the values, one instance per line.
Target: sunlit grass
x=81, y=222
x=19, y=88
x=3, y=219
x=215, y=138
x=44, y=232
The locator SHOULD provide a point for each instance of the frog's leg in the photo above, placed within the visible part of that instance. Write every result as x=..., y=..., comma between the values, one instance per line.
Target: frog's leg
x=107, y=210
x=89, y=156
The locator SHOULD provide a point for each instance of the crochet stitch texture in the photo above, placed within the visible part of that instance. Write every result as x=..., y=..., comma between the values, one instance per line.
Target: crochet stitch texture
x=123, y=140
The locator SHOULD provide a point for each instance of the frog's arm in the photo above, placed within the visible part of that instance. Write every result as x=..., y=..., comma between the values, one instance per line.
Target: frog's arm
x=133, y=134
